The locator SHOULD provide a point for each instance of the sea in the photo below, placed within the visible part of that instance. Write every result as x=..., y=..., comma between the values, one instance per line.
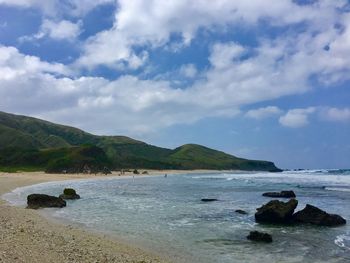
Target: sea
x=165, y=215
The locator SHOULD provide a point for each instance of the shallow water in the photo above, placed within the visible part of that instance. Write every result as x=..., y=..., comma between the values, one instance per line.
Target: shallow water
x=167, y=216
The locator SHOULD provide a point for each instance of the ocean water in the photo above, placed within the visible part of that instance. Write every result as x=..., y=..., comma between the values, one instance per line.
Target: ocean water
x=166, y=215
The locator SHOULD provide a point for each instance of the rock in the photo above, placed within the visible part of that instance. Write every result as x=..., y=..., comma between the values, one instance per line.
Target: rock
x=208, y=199
x=242, y=212
x=276, y=211
x=36, y=201
x=259, y=237
x=106, y=170
x=69, y=193
x=282, y=194
x=313, y=215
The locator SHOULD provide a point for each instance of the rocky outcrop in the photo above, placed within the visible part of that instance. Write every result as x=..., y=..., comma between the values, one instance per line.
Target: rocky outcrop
x=276, y=211
x=313, y=215
x=69, y=193
x=35, y=201
x=208, y=199
x=242, y=212
x=259, y=237
x=282, y=194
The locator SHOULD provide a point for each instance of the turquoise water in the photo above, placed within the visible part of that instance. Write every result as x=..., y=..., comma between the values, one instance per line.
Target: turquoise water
x=166, y=215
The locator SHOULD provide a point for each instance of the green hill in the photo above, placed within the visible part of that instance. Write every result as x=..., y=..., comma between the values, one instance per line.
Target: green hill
x=33, y=144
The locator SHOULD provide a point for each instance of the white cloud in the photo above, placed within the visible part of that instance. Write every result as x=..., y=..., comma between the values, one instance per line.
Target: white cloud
x=336, y=114
x=60, y=30
x=151, y=23
x=59, y=7
x=237, y=75
x=223, y=54
x=296, y=118
x=126, y=105
x=14, y=65
x=131, y=105
x=188, y=70
x=47, y=6
x=265, y=112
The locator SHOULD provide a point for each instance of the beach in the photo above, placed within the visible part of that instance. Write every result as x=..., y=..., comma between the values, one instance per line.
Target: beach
x=162, y=219
x=27, y=236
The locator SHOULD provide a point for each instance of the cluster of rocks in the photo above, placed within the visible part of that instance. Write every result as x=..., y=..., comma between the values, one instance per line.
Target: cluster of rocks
x=279, y=212
x=35, y=201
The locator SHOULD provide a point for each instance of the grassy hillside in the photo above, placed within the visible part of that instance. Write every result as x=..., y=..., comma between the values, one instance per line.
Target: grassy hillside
x=44, y=134
x=56, y=160
x=30, y=143
x=194, y=156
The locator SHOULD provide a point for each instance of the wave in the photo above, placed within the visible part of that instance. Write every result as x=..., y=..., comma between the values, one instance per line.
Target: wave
x=343, y=241
x=339, y=189
x=319, y=171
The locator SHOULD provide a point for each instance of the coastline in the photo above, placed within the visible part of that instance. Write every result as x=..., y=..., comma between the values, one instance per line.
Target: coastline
x=28, y=236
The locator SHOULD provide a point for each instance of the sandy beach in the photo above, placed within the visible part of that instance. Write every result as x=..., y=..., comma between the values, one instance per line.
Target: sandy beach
x=27, y=236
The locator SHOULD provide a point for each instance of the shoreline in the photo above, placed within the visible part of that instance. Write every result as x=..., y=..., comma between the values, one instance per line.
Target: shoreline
x=29, y=236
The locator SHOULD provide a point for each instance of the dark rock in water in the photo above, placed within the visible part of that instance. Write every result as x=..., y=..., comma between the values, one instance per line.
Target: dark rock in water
x=242, y=212
x=276, y=170
x=208, y=199
x=69, y=193
x=282, y=194
x=313, y=215
x=36, y=201
x=276, y=211
x=259, y=237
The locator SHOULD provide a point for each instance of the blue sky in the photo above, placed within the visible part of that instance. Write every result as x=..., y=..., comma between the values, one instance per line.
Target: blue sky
x=259, y=79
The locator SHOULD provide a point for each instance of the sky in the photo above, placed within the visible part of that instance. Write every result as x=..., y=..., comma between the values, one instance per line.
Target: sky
x=262, y=79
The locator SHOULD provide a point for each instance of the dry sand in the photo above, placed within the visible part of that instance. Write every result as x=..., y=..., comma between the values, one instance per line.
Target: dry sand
x=27, y=236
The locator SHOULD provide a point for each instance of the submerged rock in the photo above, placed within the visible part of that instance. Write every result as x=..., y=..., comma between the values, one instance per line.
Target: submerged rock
x=242, y=212
x=313, y=215
x=35, y=201
x=259, y=237
x=69, y=193
x=276, y=211
x=209, y=199
x=282, y=194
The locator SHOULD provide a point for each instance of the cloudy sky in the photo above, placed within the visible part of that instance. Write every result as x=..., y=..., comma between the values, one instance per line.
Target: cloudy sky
x=262, y=79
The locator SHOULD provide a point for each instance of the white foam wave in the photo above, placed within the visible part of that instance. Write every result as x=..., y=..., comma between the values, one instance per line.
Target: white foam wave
x=339, y=189
x=343, y=241
x=290, y=177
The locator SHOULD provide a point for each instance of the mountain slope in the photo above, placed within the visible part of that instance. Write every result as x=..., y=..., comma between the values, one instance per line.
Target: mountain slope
x=31, y=142
x=199, y=157
x=48, y=134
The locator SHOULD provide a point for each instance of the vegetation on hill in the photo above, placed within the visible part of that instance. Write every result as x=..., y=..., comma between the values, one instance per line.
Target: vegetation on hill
x=28, y=143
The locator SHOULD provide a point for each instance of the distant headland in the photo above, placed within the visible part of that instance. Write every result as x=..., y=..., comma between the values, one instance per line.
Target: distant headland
x=31, y=144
